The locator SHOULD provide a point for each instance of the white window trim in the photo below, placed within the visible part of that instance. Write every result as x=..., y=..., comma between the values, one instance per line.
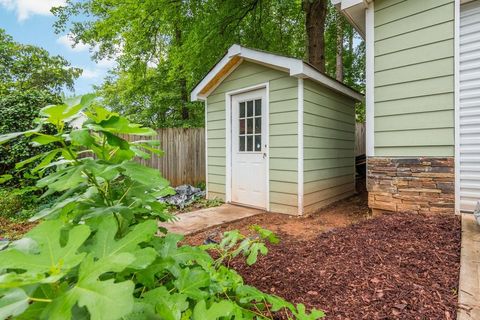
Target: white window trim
x=457, y=105
x=228, y=138
x=300, y=148
x=370, y=81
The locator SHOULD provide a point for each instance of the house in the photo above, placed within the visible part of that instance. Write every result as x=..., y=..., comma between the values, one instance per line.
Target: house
x=280, y=134
x=422, y=102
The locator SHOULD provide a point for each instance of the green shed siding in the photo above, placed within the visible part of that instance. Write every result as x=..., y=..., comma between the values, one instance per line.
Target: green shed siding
x=414, y=78
x=283, y=133
x=329, y=140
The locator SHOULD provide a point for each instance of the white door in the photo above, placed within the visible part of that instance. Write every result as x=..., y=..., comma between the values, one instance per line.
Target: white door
x=469, y=106
x=249, y=156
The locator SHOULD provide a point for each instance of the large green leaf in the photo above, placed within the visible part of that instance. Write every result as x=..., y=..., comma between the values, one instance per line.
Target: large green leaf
x=217, y=310
x=51, y=257
x=105, y=300
x=120, y=125
x=144, y=175
x=168, y=305
x=13, y=302
x=192, y=282
x=105, y=245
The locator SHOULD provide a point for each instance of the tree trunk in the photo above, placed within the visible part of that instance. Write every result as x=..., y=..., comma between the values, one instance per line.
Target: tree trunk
x=339, y=56
x=182, y=81
x=315, y=13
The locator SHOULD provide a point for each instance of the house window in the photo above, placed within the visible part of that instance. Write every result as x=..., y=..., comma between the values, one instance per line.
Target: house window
x=250, y=126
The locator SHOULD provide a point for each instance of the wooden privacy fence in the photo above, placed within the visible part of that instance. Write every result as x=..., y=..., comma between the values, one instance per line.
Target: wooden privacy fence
x=184, y=158
x=359, y=139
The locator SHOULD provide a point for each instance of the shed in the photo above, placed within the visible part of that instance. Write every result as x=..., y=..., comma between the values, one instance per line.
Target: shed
x=280, y=135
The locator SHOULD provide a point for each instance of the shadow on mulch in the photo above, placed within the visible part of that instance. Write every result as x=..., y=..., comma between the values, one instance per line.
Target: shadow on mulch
x=392, y=267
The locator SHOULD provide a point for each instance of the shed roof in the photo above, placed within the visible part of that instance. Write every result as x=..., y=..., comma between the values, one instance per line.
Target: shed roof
x=295, y=67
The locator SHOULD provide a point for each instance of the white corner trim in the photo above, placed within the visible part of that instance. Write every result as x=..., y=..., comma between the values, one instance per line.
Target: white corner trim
x=300, y=149
x=457, y=105
x=228, y=139
x=370, y=84
x=295, y=67
x=206, y=148
x=228, y=147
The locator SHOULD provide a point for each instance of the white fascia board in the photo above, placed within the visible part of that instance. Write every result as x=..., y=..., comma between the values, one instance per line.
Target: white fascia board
x=295, y=67
x=232, y=51
x=345, y=4
x=309, y=72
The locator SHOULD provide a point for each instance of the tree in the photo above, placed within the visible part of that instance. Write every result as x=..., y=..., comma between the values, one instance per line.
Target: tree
x=29, y=79
x=315, y=14
x=165, y=47
x=25, y=67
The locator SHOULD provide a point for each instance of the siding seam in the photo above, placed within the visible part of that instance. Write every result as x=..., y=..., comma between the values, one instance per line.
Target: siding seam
x=410, y=15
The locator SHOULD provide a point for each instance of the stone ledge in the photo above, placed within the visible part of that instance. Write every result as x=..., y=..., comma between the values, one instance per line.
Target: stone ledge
x=418, y=185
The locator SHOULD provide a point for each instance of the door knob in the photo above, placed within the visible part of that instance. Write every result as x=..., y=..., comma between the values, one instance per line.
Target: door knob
x=264, y=155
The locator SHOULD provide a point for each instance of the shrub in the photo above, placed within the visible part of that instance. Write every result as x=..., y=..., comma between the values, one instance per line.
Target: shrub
x=18, y=110
x=96, y=255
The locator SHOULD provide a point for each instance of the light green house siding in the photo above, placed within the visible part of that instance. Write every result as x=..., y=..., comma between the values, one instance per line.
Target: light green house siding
x=283, y=133
x=414, y=78
x=329, y=140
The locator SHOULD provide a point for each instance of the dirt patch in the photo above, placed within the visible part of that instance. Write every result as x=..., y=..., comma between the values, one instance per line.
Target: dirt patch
x=340, y=214
x=13, y=230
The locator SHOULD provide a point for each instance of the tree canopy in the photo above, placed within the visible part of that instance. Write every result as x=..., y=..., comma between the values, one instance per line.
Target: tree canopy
x=164, y=47
x=30, y=78
x=27, y=67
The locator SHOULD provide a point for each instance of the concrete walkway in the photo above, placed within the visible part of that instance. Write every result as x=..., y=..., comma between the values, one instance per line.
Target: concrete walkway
x=195, y=221
x=469, y=287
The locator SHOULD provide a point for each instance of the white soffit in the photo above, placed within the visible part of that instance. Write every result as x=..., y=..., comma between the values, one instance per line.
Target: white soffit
x=354, y=12
x=295, y=67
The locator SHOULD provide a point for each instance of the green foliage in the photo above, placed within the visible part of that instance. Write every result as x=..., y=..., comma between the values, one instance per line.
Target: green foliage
x=97, y=254
x=18, y=110
x=165, y=48
x=26, y=67
x=15, y=204
x=30, y=78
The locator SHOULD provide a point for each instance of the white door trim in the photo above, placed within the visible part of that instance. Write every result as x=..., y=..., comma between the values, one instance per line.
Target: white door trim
x=457, y=105
x=228, y=138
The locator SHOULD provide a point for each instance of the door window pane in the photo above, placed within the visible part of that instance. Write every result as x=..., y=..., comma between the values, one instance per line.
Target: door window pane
x=258, y=142
x=249, y=108
x=258, y=107
x=242, y=109
x=242, y=143
x=249, y=143
x=258, y=125
x=249, y=126
x=242, y=126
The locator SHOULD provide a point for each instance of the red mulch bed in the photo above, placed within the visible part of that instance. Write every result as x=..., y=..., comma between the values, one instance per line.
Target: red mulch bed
x=390, y=267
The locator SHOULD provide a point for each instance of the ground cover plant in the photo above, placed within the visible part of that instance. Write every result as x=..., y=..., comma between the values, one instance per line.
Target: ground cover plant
x=95, y=253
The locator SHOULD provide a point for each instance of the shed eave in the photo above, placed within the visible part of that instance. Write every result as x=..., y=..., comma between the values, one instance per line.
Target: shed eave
x=294, y=67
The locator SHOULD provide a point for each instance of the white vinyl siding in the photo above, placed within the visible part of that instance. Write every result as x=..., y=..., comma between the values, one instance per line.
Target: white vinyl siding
x=469, y=106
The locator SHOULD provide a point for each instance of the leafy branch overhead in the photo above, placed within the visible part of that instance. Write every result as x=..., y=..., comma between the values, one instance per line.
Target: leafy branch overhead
x=97, y=252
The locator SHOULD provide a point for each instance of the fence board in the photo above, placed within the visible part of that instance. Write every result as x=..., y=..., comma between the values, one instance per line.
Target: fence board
x=184, y=158
x=359, y=139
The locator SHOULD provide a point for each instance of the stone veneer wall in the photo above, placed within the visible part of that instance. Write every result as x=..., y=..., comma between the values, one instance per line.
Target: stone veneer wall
x=418, y=185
